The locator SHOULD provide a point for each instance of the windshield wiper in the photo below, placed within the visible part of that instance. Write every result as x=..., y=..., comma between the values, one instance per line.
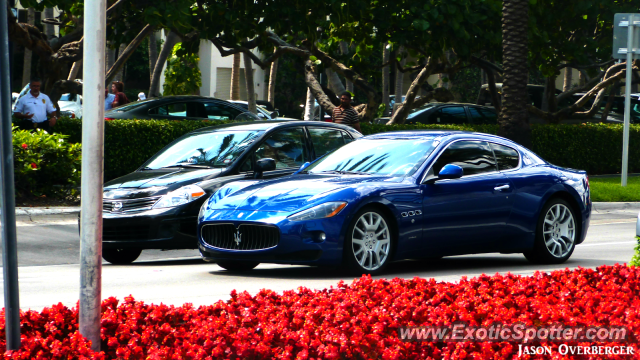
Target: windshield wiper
x=343, y=172
x=187, y=165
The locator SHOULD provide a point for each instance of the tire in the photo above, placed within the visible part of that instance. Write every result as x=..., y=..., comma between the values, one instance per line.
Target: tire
x=368, y=242
x=556, y=233
x=237, y=265
x=121, y=256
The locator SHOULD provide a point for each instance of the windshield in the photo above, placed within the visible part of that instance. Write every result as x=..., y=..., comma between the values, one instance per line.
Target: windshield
x=68, y=97
x=417, y=111
x=393, y=157
x=215, y=149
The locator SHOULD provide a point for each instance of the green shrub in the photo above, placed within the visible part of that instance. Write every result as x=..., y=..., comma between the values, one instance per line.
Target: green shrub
x=596, y=148
x=45, y=164
x=635, y=260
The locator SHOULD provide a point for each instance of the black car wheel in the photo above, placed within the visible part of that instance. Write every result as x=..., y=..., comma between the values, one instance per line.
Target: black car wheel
x=237, y=265
x=368, y=242
x=121, y=256
x=556, y=234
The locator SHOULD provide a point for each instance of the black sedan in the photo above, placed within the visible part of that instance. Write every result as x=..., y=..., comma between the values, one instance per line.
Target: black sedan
x=183, y=107
x=156, y=207
x=449, y=113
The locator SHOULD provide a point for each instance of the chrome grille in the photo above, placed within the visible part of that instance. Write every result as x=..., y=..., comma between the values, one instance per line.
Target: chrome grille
x=129, y=205
x=251, y=237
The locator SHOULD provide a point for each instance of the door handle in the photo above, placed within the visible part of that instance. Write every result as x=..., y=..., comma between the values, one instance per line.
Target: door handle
x=501, y=187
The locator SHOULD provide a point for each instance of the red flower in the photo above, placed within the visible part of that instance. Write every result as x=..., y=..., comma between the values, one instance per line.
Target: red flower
x=34, y=166
x=24, y=146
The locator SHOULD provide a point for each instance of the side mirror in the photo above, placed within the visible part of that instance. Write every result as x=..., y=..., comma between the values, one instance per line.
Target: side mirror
x=304, y=166
x=262, y=165
x=274, y=114
x=450, y=171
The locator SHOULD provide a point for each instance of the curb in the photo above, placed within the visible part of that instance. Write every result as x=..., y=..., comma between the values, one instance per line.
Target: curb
x=615, y=206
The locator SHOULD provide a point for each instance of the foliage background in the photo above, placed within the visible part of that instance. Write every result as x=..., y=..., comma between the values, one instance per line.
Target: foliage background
x=182, y=75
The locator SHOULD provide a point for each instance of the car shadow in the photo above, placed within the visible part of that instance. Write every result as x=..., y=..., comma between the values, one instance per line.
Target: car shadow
x=468, y=265
x=163, y=262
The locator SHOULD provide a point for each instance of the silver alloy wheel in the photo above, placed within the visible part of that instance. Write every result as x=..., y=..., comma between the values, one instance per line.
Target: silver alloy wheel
x=559, y=230
x=371, y=241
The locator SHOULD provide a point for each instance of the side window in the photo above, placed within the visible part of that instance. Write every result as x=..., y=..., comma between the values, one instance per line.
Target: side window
x=507, y=157
x=217, y=111
x=175, y=109
x=482, y=116
x=449, y=115
x=474, y=157
x=286, y=147
x=325, y=140
x=347, y=138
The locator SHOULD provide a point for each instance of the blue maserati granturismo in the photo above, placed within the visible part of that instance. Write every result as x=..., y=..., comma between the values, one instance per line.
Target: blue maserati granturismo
x=401, y=195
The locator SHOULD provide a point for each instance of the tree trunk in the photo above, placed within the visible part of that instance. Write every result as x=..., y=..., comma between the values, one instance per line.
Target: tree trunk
x=248, y=76
x=49, y=30
x=153, y=54
x=581, y=78
x=334, y=83
x=28, y=55
x=75, y=69
x=271, y=97
x=127, y=52
x=398, y=86
x=514, y=117
x=235, y=78
x=549, y=94
x=568, y=79
x=171, y=40
x=309, y=106
x=120, y=74
x=401, y=114
x=386, y=56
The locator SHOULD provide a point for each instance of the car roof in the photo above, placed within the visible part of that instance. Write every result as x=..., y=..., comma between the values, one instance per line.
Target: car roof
x=267, y=125
x=418, y=134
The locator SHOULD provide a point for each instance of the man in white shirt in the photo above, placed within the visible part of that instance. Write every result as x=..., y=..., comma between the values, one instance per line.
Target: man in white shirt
x=108, y=100
x=33, y=109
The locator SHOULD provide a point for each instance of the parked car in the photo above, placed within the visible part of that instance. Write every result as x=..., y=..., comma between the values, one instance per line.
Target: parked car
x=401, y=195
x=181, y=107
x=70, y=105
x=449, y=113
x=616, y=112
x=245, y=105
x=156, y=206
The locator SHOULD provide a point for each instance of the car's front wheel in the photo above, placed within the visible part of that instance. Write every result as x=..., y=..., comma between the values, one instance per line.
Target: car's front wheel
x=121, y=256
x=368, y=242
x=237, y=265
x=556, y=234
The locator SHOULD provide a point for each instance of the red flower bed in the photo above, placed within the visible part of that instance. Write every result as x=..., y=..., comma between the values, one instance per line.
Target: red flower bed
x=350, y=321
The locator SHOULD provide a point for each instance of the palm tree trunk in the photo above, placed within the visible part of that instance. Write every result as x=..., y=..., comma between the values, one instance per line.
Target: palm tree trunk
x=235, y=78
x=386, y=56
x=248, y=76
x=514, y=117
x=271, y=97
x=49, y=30
x=309, y=105
x=171, y=41
x=28, y=55
x=153, y=54
x=334, y=83
x=120, y=73
x=398, y=86
x=110, y=56
x=568, y=79
x=75, y=69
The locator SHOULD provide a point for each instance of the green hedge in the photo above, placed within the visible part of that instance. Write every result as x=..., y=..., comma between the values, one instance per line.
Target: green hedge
x=596, y=148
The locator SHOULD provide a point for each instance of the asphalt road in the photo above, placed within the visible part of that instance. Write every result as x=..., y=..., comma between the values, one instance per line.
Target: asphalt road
x=49, y=271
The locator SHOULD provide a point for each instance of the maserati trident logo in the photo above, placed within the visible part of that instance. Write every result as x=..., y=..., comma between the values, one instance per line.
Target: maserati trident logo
x=236, y=237
x=117, y=206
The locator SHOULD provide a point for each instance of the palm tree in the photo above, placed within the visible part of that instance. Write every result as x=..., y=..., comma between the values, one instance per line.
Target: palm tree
x=514, y=117
x=235, y=77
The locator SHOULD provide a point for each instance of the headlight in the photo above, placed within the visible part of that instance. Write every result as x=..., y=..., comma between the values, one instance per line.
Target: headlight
x=322, y=211
x=181, y=196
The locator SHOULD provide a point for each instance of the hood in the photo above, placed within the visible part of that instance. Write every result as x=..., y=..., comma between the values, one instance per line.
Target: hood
x=149, y=182
x=292, y=192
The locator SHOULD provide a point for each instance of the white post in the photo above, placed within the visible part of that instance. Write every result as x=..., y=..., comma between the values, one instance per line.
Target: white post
x=627, y=101
x=92, y=170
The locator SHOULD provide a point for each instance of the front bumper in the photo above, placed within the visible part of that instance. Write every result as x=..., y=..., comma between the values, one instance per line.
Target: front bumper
x=299, y=241
x=153, y=229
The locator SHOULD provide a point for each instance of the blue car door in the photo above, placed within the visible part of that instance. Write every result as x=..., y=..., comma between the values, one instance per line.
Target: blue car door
x=468, y=214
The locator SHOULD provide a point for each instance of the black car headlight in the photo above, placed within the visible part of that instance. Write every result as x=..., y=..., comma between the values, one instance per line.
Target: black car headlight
x=183, y=195
x=321, y=211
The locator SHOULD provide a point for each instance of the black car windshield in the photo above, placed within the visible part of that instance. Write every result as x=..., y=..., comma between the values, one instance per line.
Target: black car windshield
x=393, y=157
x=213, y=149
x=417, y=111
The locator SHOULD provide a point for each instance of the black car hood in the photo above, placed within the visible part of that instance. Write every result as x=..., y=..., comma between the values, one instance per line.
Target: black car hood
x=152, y=182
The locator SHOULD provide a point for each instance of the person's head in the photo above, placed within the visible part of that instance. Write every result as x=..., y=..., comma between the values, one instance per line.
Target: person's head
x=34, y=86
x=345, y=98
x=117, y=86
x=141, y=96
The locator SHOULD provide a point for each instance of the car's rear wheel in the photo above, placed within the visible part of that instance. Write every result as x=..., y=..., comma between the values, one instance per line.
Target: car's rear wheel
x=121, y=256
x=556, y=234
x=237, y=265
x=368, y=242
